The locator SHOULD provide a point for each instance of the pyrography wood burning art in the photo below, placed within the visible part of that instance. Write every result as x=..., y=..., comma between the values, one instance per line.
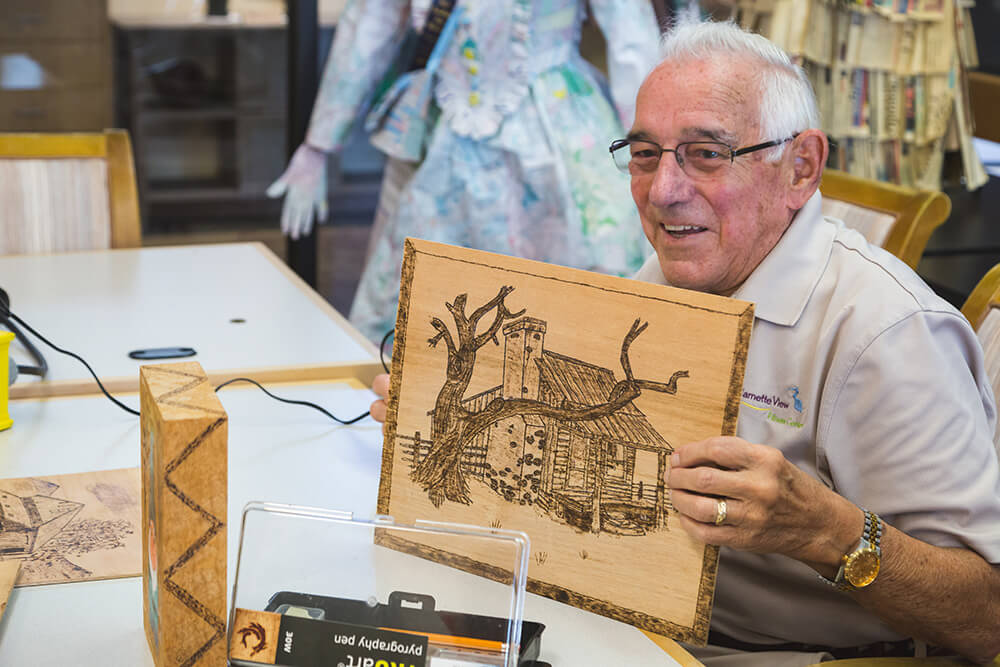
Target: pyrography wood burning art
x=544, y=399
x=76, y=527
x=184, y=501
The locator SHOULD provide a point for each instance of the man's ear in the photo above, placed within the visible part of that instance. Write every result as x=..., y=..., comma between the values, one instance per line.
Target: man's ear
x=808, y=152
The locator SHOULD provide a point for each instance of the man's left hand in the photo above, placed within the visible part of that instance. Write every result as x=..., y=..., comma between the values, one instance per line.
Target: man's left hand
x=771, y=506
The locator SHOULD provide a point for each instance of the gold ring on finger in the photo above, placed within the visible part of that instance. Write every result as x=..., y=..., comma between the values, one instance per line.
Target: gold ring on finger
x=720, y=511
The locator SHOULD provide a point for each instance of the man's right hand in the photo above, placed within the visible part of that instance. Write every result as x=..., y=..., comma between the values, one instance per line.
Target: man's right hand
x=304, y=187
x=380, y=385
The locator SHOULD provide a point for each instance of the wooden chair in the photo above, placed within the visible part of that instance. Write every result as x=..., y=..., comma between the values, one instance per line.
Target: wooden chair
x=982, y=309
x=61, y=192
x=896, y=218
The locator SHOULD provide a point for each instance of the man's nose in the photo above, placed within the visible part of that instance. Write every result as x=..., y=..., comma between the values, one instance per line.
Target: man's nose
x=670, y=184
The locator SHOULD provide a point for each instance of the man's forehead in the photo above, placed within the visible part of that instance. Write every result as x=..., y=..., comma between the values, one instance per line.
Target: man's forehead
x=697, y=99
x=724, y=81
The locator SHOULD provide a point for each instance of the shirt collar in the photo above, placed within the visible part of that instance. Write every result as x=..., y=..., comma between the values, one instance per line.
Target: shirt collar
x=781, y=285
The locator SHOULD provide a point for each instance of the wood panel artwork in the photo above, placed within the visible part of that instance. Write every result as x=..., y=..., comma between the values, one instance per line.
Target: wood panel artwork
x=538, y=398
x=78, y=527
x=184, y=477
x=8, y=573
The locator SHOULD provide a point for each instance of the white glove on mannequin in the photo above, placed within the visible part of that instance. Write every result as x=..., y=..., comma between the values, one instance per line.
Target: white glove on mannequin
x=304, y=186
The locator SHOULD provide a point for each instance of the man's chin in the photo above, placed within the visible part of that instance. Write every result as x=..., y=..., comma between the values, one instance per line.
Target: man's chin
x=686, y=275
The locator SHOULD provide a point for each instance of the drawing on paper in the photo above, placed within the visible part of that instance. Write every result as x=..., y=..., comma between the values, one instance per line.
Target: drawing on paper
x=71, y=527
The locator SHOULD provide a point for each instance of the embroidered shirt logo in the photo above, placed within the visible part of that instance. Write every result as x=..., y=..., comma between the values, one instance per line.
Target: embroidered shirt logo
x=786, y=408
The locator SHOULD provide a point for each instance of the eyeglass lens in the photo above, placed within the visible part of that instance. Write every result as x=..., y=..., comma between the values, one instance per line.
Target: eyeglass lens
x=696, y=158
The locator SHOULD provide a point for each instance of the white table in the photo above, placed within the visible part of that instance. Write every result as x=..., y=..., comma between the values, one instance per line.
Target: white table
x=278, y=453
x=241, y=309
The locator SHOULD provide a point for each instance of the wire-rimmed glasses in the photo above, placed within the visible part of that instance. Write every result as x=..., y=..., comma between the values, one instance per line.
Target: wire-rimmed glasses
x=698, y=159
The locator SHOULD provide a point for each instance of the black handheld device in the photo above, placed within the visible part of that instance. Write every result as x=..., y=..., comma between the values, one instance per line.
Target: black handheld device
x=162, y=353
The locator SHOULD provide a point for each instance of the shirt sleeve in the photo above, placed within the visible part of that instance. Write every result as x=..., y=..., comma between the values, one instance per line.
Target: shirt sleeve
x=367, y=38
x=633, y=38
x=909, y=434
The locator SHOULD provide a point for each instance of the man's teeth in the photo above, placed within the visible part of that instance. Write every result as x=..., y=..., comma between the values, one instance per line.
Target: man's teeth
x=682, y=228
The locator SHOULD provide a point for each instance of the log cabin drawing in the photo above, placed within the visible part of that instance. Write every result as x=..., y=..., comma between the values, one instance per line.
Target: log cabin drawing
x=29, y=522
x=74, y=527
x=600, y=474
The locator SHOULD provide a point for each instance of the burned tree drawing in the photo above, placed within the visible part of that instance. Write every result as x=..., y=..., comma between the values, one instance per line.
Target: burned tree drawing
x=551, y=410
x=557, y=432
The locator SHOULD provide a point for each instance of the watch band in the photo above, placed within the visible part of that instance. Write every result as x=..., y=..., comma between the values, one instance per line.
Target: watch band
x=870, y=543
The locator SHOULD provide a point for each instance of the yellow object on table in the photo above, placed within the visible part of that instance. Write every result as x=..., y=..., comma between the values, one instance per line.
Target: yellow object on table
x=5, y=421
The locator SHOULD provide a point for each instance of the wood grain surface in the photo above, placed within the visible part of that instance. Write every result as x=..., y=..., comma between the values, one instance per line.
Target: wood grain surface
x=537, y=398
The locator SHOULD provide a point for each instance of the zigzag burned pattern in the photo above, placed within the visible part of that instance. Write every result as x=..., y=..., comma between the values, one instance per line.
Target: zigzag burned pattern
x=215, y=524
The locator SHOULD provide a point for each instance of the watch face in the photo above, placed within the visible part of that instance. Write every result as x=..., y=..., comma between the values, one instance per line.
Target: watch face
x=862, y=568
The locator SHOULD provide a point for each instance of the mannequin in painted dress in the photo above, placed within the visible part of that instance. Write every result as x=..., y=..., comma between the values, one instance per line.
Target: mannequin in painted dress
x=500, y=143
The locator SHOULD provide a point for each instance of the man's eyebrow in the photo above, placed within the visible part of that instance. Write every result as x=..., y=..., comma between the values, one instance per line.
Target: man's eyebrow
x=690, y=133
x=639, y=135
x=720, y=136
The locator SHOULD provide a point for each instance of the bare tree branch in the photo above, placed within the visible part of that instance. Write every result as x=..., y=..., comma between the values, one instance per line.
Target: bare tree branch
x=491, y=333
x=621, y=388
x=632, y=334
x=501, y=315
x=457, y=309
x=478, y=313
x=443, y=332
x=501, y=408
x=669, y=387
x=460, y=302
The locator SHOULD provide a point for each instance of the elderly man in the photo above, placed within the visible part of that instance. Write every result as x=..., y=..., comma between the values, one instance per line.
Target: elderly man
x=866, y=513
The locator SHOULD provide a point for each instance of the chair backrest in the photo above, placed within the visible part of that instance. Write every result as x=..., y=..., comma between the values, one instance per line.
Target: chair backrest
x=896, y=218
x=61, y=192
x=982, y=309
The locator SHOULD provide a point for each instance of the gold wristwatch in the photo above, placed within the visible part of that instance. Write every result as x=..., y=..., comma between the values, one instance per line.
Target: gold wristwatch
x=860, y=567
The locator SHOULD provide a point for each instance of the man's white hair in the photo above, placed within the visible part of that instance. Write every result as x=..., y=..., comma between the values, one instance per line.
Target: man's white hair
x=787, y=102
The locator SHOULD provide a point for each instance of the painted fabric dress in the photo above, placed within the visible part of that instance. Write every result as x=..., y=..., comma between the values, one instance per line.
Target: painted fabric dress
x=501, y=142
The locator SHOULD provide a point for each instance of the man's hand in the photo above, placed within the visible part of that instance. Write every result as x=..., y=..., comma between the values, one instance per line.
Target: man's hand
x=771, y=505
x=380, y=385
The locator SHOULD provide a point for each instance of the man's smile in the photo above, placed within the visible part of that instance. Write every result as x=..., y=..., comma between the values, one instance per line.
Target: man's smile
x=681, y=231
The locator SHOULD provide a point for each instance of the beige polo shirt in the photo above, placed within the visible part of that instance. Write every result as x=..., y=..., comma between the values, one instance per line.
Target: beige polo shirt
x=868, y=381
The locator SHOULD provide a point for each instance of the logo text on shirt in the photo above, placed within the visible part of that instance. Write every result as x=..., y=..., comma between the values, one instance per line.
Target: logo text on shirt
x=784, y=409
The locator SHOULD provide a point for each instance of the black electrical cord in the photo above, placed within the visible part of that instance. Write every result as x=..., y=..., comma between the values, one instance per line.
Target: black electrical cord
x=43, y=367
x=381, y=357
x=11, y=316
x=292, y=402
x=381, y=348
x=381, y=354
x=5, y=312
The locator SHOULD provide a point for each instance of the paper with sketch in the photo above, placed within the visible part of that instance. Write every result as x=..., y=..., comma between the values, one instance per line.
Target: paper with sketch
x=76, y=527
